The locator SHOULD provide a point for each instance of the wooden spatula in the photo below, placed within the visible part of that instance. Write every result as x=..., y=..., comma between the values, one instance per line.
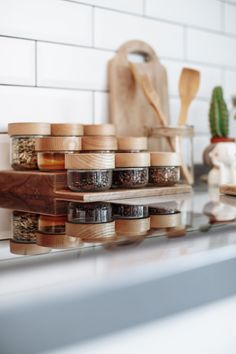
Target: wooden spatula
x=153, y=98
x=188, y=86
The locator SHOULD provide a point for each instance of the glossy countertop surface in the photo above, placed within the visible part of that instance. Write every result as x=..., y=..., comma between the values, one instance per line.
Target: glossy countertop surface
x=206, y=223
x=65, y=296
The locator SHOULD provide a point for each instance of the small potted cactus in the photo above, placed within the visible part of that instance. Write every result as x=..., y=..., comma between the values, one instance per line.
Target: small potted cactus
x=219, y=117
x=220, y=155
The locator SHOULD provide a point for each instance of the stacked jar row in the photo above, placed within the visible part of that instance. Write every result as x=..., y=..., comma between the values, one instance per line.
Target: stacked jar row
x=99, y=172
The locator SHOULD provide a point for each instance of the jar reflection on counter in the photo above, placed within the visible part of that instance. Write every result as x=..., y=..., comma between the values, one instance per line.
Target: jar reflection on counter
x=52, y=224
x=89, y=172
x=23, y=140
x=127, y=211
x=52, y=150
x=90, y=213
x=131, y=170
x=24, y=226
x=164, y=217
x=165, y=169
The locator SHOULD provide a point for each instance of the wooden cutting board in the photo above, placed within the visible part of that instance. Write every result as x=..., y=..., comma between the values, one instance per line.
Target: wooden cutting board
x=128, y=107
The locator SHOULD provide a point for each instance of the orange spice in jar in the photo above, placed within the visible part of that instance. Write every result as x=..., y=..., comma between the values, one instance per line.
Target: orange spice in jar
x=51, y=151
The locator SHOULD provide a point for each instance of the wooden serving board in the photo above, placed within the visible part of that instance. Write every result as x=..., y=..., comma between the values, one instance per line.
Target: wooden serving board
x=228, y=189
x=128, y=107
x=53, y=184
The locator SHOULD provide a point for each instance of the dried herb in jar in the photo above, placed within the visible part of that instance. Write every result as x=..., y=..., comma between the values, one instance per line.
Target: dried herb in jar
x=25, y=226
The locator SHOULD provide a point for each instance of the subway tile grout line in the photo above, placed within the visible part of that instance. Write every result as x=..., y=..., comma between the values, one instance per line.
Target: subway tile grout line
x=93, y=106
x=36, y=63
x=181, y=24
x=144, y=7
x=93, y=26
x=114, y=51
x=223, y=27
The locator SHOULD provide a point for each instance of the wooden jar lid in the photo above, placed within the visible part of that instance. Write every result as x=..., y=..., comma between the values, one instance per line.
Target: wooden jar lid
x=90, y=161
x=29, y=129
x=165, y=221
x=25, y=248
x=132, y=143
x=99, y=129
x=165, y=159
x=58, y=143
x=132, y=159
x=57, y=241
x=64, y=129
x=105, y=143
x=134, y=227
x=92, y=232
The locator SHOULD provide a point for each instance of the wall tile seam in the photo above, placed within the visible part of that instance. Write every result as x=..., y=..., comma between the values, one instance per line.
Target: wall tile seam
x=145, y=16
x=194, y=62
x=53, y=88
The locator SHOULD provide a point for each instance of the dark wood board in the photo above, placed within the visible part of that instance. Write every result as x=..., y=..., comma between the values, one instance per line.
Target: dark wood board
x=53, y=184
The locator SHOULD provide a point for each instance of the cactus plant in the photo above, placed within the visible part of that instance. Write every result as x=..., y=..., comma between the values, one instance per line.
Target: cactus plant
x=218, y=114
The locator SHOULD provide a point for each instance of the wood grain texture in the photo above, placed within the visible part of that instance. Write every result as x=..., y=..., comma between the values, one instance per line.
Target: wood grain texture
x=38, y=184
x=116, y=194
x=128, y=107
x=228, y=189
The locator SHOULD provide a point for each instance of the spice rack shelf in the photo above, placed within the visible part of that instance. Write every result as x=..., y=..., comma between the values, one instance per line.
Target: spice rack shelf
x=54, y=184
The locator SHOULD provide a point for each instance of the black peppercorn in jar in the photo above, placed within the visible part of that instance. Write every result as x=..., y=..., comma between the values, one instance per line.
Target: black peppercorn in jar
x=131, y=170
x=130, y=211
x=23, y=140
x=89, y=213
x=89, y=172
x=132, y=144
x=164, y=169
x=51, y=151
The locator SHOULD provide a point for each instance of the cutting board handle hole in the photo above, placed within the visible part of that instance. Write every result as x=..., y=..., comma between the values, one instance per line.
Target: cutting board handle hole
x=139, y=57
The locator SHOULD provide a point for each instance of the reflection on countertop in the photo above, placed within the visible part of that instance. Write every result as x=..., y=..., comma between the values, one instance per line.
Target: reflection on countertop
x=36, y=226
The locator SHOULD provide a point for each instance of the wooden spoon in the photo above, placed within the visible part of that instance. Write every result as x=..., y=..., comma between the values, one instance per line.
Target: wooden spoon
x=188, y=86
x=153, y=98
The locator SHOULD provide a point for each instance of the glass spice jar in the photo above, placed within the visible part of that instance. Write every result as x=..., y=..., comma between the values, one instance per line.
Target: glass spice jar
x=105, y=144
x=100, y=129
x=52, y=224
x=131, y=170
x=132, y=228
x=161, y=218
x=132, y=144
x=127, y=211
x=165, y=169
x=24, y=226
x=95, y=232
x=27, y=248
x=51, y=151
x=67, y=129
x=89, y=172
x=89, y=213
x=23, y=139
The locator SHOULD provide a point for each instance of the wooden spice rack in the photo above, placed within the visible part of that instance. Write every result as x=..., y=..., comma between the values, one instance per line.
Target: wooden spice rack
x=54, y=184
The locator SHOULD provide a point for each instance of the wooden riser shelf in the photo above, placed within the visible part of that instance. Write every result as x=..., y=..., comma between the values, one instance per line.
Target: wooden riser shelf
x=53, y=184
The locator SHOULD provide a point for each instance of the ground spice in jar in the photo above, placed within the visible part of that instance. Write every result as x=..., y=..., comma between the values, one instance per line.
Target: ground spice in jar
x=23, y=140
x=131, y=170
x=127, y=211
x=52, y=150
x=90, y=172
x=52, y=224
x=90, y=213
x=164, y=169
x=24, y=226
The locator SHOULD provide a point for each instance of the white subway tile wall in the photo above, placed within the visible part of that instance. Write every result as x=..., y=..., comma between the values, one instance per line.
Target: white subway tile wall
x=54, y=54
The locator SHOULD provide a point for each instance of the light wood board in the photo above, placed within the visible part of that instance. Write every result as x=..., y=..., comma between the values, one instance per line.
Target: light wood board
x=228, y=189
x=128, y=107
